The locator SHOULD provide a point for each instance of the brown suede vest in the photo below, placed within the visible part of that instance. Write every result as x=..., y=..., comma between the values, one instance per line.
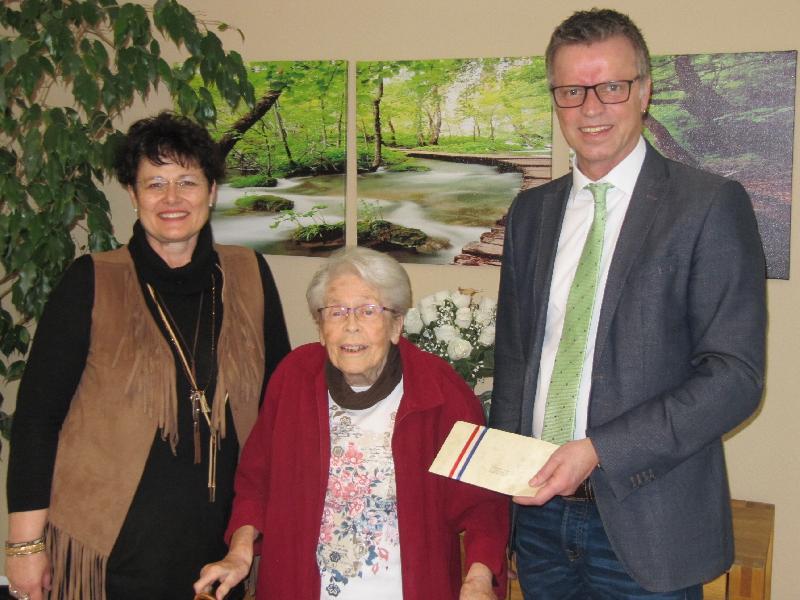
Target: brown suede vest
x=126, y=393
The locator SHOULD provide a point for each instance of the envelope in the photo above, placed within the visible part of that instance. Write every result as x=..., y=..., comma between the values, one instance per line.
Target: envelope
x=492, y=459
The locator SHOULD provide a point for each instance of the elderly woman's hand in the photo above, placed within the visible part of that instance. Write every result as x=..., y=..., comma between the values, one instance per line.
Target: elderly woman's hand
x=229, y=571
x=477, y=584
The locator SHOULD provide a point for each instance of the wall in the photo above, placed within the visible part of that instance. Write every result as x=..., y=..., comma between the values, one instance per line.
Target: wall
x=763, y=460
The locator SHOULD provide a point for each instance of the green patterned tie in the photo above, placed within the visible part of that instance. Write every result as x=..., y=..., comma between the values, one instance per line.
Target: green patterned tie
x=562, y=396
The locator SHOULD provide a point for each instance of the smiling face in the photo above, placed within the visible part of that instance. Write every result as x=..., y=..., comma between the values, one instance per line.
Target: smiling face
x=601, y=135
x=173, y=202
x=358, y=348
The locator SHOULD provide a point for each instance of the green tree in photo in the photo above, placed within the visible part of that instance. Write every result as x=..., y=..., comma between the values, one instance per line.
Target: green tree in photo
x=469, y=106
x=298, y=124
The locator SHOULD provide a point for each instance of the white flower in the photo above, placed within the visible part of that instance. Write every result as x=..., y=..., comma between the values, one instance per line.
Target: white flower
x=457, y=327
x=413, y=322
x=445, y=333
x=427, y=302
x=464, y=317
x=483, y=317
x=486, y=337
x=429, y=314
x=441, y=296
x=487, y=304
x=459, y=299
x=458, y=348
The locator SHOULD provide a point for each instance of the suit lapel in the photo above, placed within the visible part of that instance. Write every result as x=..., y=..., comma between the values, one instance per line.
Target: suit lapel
x=540, y=273
x=649, y=194
x=553, y=207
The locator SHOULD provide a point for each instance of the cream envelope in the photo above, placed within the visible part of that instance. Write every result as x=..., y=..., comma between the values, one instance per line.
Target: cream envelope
x=491, y=458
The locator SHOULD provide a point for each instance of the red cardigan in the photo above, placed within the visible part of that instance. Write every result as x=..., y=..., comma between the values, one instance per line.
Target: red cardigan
x=283, y=473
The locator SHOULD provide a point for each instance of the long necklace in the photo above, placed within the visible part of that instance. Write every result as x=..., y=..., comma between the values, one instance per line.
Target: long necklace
x=197, y=395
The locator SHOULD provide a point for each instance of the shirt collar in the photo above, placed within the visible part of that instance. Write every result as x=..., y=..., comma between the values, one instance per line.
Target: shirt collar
x=623, y=176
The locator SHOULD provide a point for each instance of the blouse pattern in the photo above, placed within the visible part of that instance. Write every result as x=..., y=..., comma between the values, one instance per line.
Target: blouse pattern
x=359, y=537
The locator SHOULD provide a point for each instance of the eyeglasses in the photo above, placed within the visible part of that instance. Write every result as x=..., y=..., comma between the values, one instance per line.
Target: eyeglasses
x=608, y=92
x=158, y=186
x=365, y=312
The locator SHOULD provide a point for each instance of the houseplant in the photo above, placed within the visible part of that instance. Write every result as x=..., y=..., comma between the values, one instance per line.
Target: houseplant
x=69, y=70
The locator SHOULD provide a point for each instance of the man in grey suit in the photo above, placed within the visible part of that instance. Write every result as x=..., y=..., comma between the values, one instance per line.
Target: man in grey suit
x=630, y=330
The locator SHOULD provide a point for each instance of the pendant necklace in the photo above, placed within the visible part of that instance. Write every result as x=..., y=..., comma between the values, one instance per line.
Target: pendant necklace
x=197, y=395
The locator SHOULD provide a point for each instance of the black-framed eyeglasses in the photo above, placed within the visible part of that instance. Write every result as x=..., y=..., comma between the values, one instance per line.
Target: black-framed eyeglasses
x=607, y=92
x=365, y=312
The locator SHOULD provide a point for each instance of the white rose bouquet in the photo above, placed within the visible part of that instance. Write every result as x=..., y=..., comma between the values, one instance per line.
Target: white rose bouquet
x=458, y=327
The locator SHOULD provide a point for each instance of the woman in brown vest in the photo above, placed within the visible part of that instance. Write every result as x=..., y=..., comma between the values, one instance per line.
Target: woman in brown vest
x=143, y=380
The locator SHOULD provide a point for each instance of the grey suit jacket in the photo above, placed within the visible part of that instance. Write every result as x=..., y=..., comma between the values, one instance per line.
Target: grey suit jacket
x=679, y=359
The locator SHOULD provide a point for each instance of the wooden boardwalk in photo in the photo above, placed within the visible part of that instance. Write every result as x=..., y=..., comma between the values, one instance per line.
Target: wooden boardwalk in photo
x=535, y=170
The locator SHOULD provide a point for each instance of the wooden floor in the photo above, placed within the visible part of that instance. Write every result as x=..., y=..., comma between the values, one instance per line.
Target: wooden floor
x=515, y=592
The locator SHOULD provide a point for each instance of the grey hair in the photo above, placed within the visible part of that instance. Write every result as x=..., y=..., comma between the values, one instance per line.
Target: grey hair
x=597, y=25
x=376, y=269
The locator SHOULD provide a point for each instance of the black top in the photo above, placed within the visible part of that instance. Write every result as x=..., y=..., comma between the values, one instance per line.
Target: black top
x=171, y=529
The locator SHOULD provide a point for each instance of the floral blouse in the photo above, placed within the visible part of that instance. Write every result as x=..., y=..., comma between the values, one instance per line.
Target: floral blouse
x=358, y=553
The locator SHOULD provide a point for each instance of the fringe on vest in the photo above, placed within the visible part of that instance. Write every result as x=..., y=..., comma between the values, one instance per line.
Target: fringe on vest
x=152, y=376
x=85, y=578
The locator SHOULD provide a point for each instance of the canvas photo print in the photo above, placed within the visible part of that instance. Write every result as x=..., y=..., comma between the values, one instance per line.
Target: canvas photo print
x=286, y=161
x=444, y=146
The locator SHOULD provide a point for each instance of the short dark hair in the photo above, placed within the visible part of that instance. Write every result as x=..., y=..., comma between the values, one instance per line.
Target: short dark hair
x=597, y=25
x=171, y=137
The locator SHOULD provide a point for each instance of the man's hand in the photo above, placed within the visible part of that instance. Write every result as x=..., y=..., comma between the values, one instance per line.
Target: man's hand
x=561, y=475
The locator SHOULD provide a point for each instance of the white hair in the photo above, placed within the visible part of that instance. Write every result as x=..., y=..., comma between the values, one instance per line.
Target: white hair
x=378, y=270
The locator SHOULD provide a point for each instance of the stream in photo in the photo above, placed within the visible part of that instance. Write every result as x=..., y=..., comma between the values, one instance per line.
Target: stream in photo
x=452, y=201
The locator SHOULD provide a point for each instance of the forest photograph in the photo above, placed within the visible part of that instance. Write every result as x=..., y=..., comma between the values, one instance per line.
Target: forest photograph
x=443, y=147
x=286, y=160
x=733, y=114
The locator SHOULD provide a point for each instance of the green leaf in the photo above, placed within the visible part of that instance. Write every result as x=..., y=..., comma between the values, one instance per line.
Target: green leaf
x=6, y=421
x=121, y=24
x=15, y=370
x=30, y=72
x=32, y=153
x=205, y=112
x=24, y=337
x=187, y=100
x=86, y=91
x=19, y=47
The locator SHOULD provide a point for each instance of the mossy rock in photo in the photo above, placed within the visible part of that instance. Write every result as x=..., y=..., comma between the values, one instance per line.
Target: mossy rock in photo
x=243, y=181
x=406, y=166
x=263, y=203
x=320, y=235
x=384, y=234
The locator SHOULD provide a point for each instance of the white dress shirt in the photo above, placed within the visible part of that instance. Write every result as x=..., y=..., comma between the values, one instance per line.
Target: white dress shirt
x=574, y=229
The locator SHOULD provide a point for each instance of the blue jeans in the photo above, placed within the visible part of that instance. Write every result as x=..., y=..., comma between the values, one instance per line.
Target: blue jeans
x=563, y=553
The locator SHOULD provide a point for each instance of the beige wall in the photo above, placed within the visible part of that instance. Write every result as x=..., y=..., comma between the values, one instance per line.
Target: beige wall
x=762, y=457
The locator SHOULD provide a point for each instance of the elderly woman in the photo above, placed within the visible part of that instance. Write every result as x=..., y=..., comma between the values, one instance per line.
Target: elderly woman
x=334, y=477
x=145, y=375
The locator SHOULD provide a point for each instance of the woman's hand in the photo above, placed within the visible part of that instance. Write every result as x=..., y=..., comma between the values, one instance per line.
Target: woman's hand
x=29, y=574
x=477, y=584
x=229, y=571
